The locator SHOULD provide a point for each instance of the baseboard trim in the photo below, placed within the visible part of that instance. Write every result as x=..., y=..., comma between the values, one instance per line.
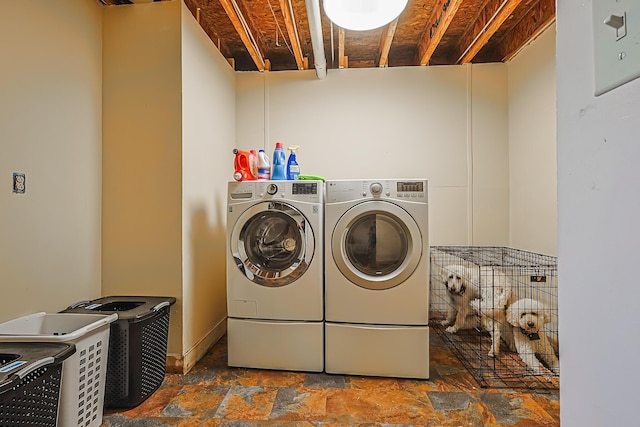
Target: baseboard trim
x=183, y=364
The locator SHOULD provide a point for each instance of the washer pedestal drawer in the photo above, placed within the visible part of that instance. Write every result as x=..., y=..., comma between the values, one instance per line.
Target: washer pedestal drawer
x=268, y=344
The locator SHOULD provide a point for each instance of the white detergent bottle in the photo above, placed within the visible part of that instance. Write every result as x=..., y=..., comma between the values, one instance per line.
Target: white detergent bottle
x=264, y=168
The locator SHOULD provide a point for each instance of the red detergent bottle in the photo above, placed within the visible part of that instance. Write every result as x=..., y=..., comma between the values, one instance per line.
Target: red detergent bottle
x=243, y=165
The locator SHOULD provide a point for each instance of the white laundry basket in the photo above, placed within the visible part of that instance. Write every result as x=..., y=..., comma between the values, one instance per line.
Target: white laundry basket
x=84, y=373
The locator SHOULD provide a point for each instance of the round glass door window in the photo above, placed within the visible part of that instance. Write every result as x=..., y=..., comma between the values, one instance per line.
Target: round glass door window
x=272, y=244
x=376, y=245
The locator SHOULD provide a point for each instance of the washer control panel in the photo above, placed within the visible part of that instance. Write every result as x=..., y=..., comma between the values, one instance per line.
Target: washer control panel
x=272, y=189
x=376, y=188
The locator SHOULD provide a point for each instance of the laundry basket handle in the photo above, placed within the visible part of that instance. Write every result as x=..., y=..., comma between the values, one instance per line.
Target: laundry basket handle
x=78, y=304
x=33, y=366
x=160, y=306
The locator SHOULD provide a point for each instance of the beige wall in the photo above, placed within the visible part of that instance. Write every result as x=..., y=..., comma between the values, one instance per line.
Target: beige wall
x=447, y=124
x=142, y=155
x=208, y=137
x=143, y=227
x=532, y=147
x=170, y=111
x=50, y=129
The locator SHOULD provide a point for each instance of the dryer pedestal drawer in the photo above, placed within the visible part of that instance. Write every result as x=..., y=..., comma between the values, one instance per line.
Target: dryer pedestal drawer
x=385, y=351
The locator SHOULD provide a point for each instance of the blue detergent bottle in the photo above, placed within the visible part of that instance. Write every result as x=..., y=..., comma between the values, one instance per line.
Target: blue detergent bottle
x=293, y=169
x=278, y=168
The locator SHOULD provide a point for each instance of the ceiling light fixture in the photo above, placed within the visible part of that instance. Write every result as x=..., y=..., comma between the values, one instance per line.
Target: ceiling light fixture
x=362, y=15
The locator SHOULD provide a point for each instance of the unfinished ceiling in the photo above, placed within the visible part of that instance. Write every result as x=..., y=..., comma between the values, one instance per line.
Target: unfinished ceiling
x=258, y=35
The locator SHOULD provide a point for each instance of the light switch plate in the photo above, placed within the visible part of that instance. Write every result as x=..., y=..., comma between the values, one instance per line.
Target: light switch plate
x=617, y=58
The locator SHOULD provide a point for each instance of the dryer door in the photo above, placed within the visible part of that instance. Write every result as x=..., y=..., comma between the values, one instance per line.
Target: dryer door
x=272, y=244
x=376, y=245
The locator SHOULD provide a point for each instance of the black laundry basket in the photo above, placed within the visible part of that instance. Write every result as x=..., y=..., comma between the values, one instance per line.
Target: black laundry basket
x=137, y=345
x=30, y=375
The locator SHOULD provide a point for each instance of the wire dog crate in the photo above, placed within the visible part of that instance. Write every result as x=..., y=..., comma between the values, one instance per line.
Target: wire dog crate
x=497, y=310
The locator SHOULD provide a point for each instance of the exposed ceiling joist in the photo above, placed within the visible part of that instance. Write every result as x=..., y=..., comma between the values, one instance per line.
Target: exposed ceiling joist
x=428, y=32
x=538, y=19
x=443, y=13
x=385, y=43
x=245, y=33
x=292, y=30
x=343, y=61
x=491, y=17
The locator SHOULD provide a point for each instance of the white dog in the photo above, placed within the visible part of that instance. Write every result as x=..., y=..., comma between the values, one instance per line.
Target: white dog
x=527, y=316
x=495, y=295
x=460, y=292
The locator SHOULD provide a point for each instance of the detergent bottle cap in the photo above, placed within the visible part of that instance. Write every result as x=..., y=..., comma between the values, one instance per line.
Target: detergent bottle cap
x=278, y=144
x=293, y=149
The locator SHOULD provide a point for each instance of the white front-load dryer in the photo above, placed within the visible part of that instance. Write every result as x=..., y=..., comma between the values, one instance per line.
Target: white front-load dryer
x=377, y=277
x=275, y=275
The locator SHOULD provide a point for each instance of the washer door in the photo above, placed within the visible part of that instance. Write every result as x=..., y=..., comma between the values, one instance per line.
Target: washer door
x=272, y=244
x=376, y=245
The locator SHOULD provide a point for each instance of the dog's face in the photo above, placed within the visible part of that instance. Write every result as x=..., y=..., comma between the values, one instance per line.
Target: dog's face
x=530, y=322
x=528, y=315
x=454, y=280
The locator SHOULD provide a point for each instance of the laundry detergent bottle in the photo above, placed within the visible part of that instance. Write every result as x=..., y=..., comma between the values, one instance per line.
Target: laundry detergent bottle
x=264, y=167
x=253, y=159
x=278, y=170
x=293, y=169
x=243, y=165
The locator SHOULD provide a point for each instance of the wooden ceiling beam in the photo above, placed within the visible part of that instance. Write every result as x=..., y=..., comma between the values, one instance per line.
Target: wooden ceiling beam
x=491, y=17
x=239, y=23
x=292, y=30
x=443, y=14
x=385, y=43
x=343, y=61
x=539, y=18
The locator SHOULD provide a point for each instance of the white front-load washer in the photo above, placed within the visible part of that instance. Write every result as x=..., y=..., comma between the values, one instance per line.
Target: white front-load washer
x=377, y=277
x=275, y=276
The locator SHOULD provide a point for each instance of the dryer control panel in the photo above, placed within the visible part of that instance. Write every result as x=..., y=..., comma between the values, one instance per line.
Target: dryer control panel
x=352, y=190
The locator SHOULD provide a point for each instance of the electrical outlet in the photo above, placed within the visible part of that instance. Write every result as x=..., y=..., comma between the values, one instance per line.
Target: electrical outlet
x=19, y=183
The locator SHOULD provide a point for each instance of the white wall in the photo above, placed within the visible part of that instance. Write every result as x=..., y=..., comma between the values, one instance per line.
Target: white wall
x=532, y=147
x=489, y=168
x=50, y=129
x=598, y=211
x=208, y=138
x=442, y=123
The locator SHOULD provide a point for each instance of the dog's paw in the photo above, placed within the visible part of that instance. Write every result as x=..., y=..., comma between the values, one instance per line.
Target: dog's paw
x=445, y=322
x=491, y=354
x=537, y=371
x=452, y=329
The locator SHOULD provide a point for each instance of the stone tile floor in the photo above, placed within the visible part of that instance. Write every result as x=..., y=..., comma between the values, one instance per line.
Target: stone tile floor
x=212, y=394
